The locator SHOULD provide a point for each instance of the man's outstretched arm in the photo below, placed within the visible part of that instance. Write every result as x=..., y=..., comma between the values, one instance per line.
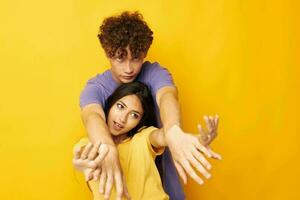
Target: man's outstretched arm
x=93, y=118
x=185, y=149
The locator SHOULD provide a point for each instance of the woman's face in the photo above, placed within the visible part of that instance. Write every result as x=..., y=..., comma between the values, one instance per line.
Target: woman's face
x=124, y=115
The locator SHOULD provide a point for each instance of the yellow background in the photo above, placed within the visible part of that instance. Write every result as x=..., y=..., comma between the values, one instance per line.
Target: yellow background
x=235, y=58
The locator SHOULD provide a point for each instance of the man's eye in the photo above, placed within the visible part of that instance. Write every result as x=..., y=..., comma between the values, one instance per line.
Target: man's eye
x=136, y=59
x=119, y=59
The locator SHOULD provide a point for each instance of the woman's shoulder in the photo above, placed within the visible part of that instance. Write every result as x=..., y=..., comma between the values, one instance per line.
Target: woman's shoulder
x=141, y=140
x=142, y=135
x=144, y=131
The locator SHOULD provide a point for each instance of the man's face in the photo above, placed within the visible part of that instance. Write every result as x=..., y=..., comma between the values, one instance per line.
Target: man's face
x=125, y=70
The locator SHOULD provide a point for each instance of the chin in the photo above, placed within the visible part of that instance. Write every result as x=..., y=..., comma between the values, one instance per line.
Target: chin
x=123, y=80
x=127, y=81
x=114, y=133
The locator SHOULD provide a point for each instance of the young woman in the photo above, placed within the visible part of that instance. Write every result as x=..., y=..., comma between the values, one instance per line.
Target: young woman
x=130, y=118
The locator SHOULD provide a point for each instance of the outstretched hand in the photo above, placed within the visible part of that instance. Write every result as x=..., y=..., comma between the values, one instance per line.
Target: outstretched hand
x=206, y=137
x=101, y=161
x=87, y=158
x=188, y=151
x=111, y=174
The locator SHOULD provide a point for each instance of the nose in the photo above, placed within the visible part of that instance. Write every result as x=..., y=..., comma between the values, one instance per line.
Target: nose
x=128, y=68
x=123, y=118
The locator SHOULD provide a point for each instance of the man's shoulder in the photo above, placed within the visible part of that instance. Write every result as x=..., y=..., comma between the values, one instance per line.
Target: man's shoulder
x=147, y=65
x=97, y=89
x=101, y=78
x=150, y=69
x=155, y=75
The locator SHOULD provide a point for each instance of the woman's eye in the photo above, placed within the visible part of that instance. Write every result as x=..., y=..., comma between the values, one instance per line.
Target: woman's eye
x=120, y=106
x=134, y=115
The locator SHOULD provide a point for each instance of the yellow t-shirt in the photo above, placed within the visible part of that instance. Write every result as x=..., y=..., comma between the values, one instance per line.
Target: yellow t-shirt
x=137, y=161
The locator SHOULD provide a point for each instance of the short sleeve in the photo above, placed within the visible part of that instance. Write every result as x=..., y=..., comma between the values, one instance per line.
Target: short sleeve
x=157, y=151
x=92, y=93
x=144, y=135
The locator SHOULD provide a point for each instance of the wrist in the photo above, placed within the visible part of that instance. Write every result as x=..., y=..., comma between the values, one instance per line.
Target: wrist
x=112, y=149
x=103, y=140
x=171, y=128
x=171, y=132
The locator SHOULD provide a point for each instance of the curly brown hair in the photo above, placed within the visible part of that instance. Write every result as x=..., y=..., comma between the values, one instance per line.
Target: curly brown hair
x=125, y=30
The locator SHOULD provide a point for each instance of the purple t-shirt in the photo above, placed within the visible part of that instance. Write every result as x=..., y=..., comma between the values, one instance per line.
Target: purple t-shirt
x=100, y=87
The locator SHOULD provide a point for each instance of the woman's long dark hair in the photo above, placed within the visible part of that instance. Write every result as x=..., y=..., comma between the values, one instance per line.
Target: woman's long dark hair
x=143, y=93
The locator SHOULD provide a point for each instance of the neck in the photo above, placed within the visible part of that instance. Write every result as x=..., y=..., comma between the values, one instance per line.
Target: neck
x=119, y=138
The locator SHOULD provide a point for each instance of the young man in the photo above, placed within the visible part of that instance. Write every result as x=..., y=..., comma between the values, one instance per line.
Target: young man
x=126, y=39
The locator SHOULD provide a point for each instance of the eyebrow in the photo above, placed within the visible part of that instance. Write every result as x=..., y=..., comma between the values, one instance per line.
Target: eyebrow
x=127, y=107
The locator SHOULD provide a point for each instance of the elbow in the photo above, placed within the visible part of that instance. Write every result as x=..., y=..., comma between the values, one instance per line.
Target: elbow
x=168, y=95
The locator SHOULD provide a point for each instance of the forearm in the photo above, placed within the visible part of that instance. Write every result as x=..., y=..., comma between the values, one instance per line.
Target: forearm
x=169, y=109
x=97, y=129
x=93, y=119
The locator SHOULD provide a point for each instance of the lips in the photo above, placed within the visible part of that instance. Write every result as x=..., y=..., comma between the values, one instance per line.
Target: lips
x=128, y=77
x=117, y=126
